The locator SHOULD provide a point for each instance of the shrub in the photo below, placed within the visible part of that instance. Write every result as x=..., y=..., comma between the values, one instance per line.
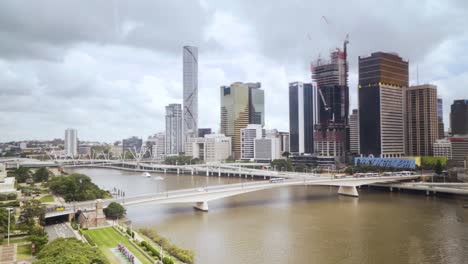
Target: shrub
x=90, y=241
x=167, y=260
x=74, y=225
x=184, y=255
x=10, y=204
x=7, y=196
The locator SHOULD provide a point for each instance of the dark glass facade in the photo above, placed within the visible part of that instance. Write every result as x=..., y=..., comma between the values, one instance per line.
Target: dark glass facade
x=459, y=117
x=440, y=117
x=293, y=119
x=204, y=131
x=308, y=118
x=369, y=120
x=301, y=118
x=378, y=69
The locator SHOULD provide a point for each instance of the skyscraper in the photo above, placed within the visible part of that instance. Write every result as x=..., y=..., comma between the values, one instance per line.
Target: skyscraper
x=440, y=117
x=331, y=133
x=354, y=132
x=422, y=122
x=302, y=117
x=241, y=104
x=174, y=143
x=190, y=96
x=157, y=144
x=71, y=142
x=459, y=117
x=248, y=136
x=382, y=78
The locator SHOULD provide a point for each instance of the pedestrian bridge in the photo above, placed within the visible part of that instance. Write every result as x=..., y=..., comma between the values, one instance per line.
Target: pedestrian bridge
x=201, y=196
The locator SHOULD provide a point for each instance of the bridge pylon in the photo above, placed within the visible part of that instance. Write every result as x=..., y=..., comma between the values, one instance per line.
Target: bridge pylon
x=202, y=206
x=348, y=190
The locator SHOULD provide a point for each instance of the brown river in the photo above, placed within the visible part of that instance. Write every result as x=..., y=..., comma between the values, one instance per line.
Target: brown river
x=301, y=224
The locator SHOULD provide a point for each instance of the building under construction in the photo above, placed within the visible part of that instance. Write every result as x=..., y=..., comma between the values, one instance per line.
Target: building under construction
x=331, y=133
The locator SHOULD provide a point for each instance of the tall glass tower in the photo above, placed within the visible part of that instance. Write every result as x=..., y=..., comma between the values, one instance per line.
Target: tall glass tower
x=190, y=96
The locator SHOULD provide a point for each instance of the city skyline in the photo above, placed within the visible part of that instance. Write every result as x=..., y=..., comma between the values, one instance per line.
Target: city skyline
x=119, y=70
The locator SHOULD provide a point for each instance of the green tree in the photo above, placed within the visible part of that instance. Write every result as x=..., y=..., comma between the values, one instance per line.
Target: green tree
x=4, y=221
x=286, y=154
x=438, y=168
x=38, y=237
x=281, y=164
x=114, y=210
x=41, y=175
x=76, y=187
x=31, y=210
x=70, y=251
x=22, y=174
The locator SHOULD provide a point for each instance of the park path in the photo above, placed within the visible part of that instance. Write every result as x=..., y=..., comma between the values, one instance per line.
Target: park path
x=8, y=254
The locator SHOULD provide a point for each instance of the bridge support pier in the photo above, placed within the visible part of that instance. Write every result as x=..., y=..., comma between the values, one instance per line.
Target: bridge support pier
x=207, y=172
x=348, y=190
x=191, y=171
x=202, y=206
x=165, y=171
x=178, y=171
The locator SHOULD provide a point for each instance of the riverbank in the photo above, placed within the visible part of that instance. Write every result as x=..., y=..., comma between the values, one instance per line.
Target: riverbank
x=108, y=238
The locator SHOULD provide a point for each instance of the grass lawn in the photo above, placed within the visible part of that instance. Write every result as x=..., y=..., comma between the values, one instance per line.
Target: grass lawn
x=14, y=240
x=47, y=199
x=23, y=252
x=108, y=238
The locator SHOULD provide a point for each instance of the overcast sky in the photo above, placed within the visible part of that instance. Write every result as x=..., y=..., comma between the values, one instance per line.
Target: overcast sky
x=109, y=67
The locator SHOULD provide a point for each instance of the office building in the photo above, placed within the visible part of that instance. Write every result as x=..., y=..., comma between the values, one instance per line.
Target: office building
x=7, y=184
x=459, y=117
x=204, y=131
x=132, y=144
x=241, y=104
x=71, y=142
x=268, y=148
x=84, y=150
x=157, y=145
x=174, y=144
x=354, y=132
x=190, y=96
x=459, y=149
x=443, y=148
x=302, y=117
x=331, y=132
x=382, y=80
x=248, y=136
x=422, y=119
x=284, y=140
x=440, y=118
x=210, y=148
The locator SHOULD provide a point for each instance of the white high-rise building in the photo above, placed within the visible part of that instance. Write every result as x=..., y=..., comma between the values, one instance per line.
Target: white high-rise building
x=190, y=96
x=211, y=148
x=71, y=142
x=174, y=143
x=158, y=145
x=248, y=136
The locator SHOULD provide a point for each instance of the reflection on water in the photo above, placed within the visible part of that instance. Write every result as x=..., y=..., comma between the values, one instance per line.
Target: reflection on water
x=301, y=224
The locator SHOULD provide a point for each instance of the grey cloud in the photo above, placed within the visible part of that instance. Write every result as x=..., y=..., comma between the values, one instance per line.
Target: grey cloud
x=44, y=29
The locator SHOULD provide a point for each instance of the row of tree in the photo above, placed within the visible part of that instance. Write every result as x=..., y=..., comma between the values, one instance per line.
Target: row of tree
x=76, y=187
x=23, y=175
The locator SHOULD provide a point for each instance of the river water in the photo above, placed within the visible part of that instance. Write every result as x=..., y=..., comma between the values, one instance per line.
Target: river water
x=301, y=224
